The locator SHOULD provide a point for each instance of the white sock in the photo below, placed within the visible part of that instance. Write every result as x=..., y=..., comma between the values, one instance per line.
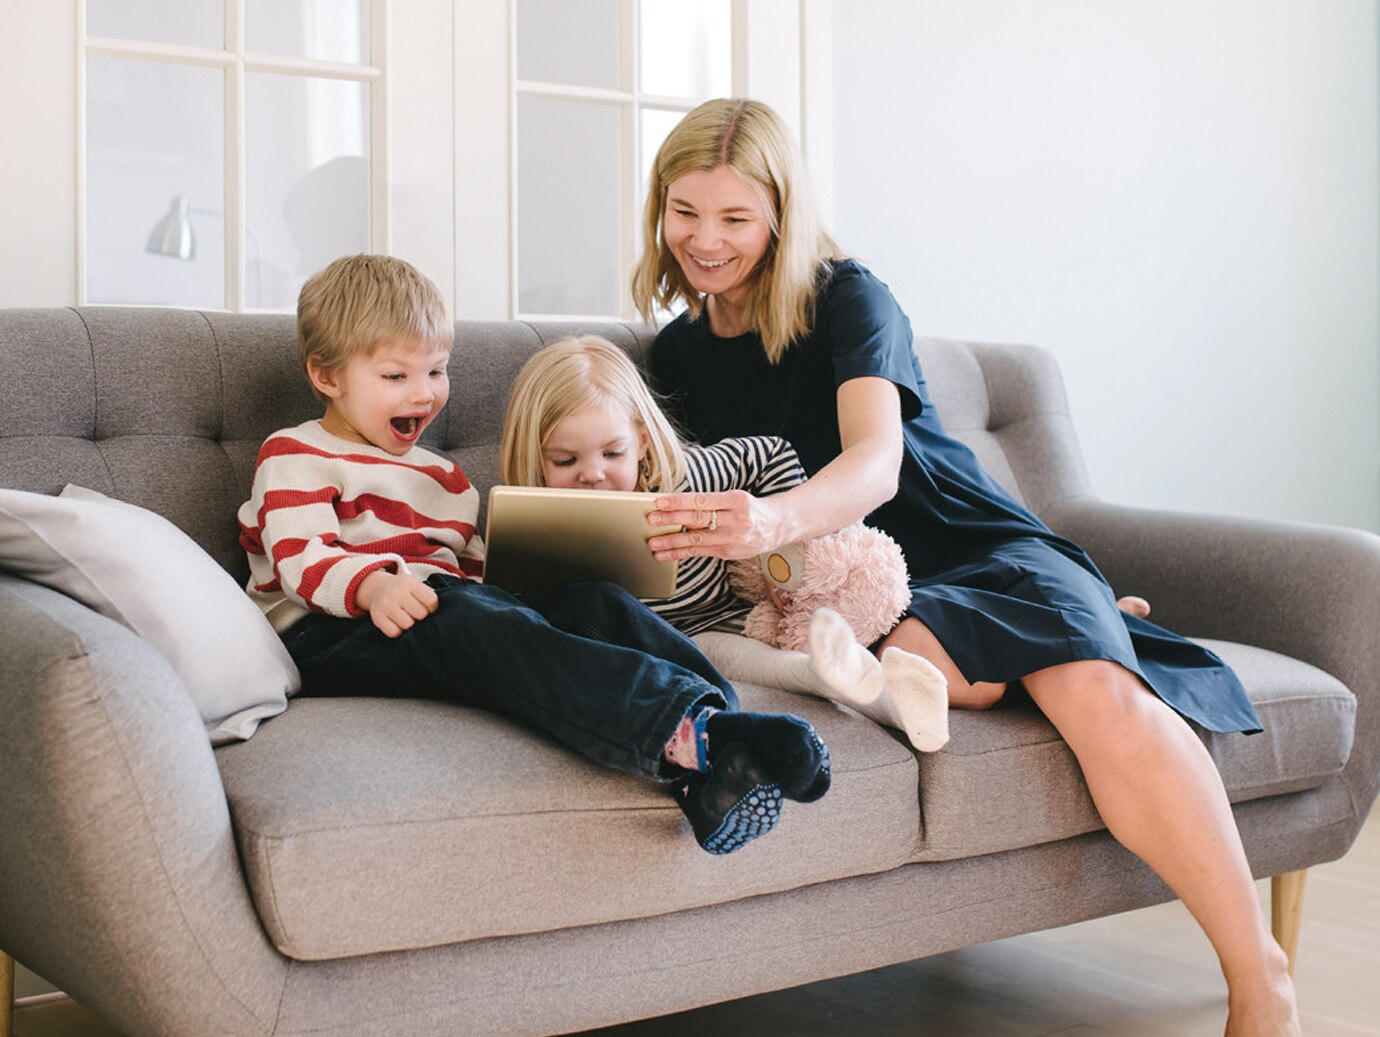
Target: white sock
x=902, y=690
x=848, y=671
x=837, y=668
x=914, y=700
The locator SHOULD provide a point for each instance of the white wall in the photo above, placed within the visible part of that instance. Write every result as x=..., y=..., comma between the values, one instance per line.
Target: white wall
x=1179, y=198
x=38, y=168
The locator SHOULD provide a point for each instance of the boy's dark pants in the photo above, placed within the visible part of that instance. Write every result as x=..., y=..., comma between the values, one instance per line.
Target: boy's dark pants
x=589, y=664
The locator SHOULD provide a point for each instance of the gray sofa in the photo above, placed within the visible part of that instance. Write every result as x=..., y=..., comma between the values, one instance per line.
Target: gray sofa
x=386, y=868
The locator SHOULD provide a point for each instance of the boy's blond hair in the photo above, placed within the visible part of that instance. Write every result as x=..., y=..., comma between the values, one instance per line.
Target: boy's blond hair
x=566, y=377
x=749, y=138
x=357, y=302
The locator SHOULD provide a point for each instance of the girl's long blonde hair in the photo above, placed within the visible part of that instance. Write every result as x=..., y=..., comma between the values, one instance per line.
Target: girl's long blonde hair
x=566, y=377
x=750, y=138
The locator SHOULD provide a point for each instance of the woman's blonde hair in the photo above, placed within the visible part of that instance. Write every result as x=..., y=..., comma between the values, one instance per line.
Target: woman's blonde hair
x=565, y=378
x=357, y=302
x=749, y=138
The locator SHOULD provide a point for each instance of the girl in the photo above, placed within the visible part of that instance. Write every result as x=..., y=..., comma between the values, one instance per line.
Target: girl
x=781, y=335
x=581, y=416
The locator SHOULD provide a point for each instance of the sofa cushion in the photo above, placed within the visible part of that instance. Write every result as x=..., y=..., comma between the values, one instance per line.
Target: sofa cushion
x=137, y=568
x=1007, y=780
x=371, y=825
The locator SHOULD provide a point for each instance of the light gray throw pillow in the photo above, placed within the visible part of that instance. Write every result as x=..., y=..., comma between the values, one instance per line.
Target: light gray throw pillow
x=136, y=567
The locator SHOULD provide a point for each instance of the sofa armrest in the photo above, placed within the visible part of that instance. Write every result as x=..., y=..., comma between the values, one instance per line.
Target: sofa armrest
x=1308, y=591
x=119, y=877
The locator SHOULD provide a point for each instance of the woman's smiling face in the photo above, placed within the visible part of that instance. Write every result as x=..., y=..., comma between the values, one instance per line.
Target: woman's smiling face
x=718, y=228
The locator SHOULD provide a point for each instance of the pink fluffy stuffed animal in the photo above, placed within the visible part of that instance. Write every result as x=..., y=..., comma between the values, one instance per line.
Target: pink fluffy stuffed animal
x=858, y=572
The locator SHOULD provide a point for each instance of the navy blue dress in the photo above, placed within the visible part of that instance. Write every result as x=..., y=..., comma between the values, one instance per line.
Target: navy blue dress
x=1004, y=595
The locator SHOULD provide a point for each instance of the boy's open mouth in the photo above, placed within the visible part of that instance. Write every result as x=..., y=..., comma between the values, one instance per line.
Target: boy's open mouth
x=407, y=428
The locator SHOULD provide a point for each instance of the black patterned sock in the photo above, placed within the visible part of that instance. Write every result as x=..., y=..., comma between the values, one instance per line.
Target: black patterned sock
x=731, y=805
x=787, y=746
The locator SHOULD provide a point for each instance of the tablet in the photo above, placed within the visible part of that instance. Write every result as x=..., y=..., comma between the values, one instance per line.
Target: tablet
x=540, y=537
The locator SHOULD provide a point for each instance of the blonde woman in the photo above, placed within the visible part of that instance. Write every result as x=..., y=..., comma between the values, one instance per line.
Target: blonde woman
x=782, y=335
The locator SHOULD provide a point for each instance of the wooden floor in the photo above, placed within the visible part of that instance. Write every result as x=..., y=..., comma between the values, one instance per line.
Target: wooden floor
x=1148, y=973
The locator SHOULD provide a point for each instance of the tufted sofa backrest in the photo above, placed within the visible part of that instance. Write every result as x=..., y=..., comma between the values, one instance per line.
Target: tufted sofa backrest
x=167, y=408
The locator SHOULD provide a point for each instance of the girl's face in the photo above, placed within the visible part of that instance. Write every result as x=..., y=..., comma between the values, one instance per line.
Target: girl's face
x=385, y=397
x=718, y=228
x=598, y=448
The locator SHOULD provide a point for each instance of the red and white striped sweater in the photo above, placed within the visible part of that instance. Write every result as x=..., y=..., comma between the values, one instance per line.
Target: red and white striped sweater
x=325, y=512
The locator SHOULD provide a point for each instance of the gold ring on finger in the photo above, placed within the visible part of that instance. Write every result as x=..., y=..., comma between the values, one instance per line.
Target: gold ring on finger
x=713, y=521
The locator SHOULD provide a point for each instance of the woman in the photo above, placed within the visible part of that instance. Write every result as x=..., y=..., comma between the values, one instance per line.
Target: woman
x=782, y=336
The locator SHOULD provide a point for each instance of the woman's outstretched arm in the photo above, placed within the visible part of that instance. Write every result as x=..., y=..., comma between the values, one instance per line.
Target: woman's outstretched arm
x=861, y=479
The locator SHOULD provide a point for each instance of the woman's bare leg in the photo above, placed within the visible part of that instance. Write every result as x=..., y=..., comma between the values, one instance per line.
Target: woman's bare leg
x=1178, y=821
x=914, y=637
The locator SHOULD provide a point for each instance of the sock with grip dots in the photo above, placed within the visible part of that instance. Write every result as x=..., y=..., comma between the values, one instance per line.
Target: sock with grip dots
x=787, y=746
x=790, y=750
x=731, y=805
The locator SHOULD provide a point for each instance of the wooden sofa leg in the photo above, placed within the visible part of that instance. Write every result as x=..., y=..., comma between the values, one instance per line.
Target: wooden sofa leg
x=1286, y=911
x=6, y=994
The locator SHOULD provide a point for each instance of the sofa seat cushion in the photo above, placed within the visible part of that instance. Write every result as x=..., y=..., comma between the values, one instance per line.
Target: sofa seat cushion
x=1007, y=780
x=370, y=825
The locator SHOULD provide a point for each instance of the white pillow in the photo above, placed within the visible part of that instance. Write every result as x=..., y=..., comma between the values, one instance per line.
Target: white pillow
x=136, y=567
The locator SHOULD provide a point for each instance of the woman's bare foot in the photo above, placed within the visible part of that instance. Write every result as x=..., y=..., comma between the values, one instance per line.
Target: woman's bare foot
x=1130, y=604
x=1266, y=1008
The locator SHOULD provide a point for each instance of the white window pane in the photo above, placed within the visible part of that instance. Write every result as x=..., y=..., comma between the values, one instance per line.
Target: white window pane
x=568, y=187
x=560, y=41
x=306, y=181
x=685, y=48
x=154, y=135
x=328, y=30
x=655, y=125
x=195, y=23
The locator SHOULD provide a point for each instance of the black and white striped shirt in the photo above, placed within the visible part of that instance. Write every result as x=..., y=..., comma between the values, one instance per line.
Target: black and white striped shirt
x=761, y=465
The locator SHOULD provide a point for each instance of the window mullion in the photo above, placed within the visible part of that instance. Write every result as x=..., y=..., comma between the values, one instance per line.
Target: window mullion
x=380, y=170
x=235, y=296
x=81, y=177
x=628, y=137
x=665, y=103
x=740, y=48
x=173, y=53
x=536, y=88
x=513, y=215
x=315, y=68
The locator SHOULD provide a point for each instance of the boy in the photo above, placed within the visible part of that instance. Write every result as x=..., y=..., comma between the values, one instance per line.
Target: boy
x=363, y=554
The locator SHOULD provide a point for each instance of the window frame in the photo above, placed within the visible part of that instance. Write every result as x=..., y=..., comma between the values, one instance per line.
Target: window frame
x=234, y=62
x=630, y=101
x=440, y=179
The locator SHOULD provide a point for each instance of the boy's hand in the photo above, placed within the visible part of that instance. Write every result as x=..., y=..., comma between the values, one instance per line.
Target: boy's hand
x=395, y=601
